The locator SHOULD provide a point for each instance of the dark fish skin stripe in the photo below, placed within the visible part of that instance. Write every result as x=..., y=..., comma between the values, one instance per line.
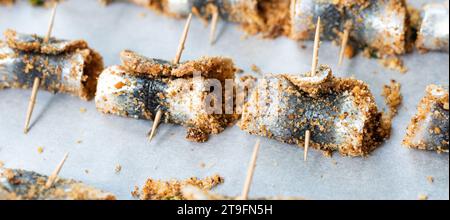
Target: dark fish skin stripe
x=50, y=78
x=318, y=114
x=439, y=119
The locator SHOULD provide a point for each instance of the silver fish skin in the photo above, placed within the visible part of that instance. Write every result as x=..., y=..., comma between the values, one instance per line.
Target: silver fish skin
x=434, y=29
x=379, y=24
x=429, y=128
x=16, y=184
x=182, y=8
x=306, y=13
x=382, y=26
x=62, y=67
x=282, y=108
x=128, y=90
x=140, y=97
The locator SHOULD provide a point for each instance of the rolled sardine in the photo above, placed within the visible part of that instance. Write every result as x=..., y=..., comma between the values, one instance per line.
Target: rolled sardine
x=428, y=129
x=434, y=28
x=142, y=86
x=18, y=184
x=63, y=66
x=340, y=113
x=379, y=25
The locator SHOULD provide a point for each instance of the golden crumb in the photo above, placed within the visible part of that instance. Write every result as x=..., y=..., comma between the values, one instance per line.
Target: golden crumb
x=135, y=193
x=202, y=165
x=40, y=150
x=118, y=168
x=256, y=69
x=392, y=97
x=171, y=190
x=430, y=179
x=394, y=63
x=2, y=164
x=423, y=197
x=83, y=110
x=142, y=15
x=79, y=142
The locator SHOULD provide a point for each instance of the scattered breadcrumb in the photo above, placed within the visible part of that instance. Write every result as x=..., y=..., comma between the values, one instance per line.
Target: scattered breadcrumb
x=256, y=69
x=83, y=110
x=118, y=168
x=40, y=150
x=86, y=171
x=430, y=179
x=171, y=190
x=142, y=15
x=2, y=164
x=392, y=97
x=135, y=193
x=79, y=142
x=394, y=63
x=423, y=197
x=327, y=153
x=202, y=165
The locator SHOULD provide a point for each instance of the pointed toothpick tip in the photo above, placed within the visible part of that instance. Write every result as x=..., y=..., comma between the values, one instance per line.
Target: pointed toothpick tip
x=51, y=179
x=307, y=140
x=183, y=40
x=155, y=125
x=31, y=103
x=344, y=43
x=51, y=22
x=315, y=59
x=214, y=21
x=37, y=80
x=250, y=171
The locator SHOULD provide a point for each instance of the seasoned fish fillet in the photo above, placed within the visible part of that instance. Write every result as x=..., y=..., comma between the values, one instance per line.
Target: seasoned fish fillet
x=141, y=86
x=380, y=25
x=428, y=129
x=340, y=113
x=63, y=66
x=27, y=185
x=434, y=28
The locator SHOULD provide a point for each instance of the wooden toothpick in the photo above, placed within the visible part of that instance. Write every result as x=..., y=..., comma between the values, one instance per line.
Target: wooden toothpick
x=51, y=179
x=293, y=9
x=183, y=40
x=307, y=139
x=155, y=124
x=214, y=21
x=250, y=171
x=315, y=59
x=50, y=24
x=37, y=80
x=344, y=42
x=175, y=61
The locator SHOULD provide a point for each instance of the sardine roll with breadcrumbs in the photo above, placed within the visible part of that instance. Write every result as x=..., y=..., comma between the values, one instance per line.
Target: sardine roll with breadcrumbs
x=434, y=29
x=63, y=66
x=18, y=184
x=428, y=129
x=340, y=113
x=379, y=25
x=184, y=92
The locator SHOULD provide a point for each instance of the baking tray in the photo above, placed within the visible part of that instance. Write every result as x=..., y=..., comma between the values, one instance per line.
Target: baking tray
x=58, y=125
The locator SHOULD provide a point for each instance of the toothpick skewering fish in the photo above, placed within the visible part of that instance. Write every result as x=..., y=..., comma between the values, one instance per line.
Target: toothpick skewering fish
x=37, y=80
